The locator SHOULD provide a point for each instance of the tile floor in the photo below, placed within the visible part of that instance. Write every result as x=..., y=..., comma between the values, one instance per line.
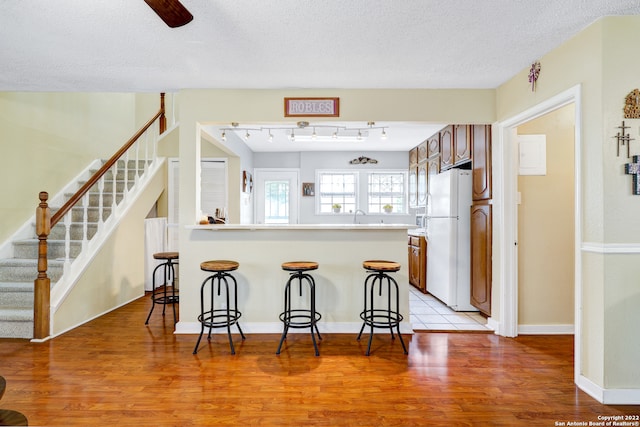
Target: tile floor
x=428, y=313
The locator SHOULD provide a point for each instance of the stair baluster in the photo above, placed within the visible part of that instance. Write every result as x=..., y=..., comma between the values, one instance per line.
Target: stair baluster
x=67, y=242
x=85, y=220
x=100, y=203
x=114, y=188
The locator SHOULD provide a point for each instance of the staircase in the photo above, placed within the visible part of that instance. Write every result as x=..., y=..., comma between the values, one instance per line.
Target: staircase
x=17, y=274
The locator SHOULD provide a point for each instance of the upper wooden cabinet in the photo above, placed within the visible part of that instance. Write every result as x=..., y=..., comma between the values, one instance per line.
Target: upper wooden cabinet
x=413, y=157
x=422, y=184
x=481, y=142
x=433, y=145
x=446, y=148
x=462, y=147
x=422, y=152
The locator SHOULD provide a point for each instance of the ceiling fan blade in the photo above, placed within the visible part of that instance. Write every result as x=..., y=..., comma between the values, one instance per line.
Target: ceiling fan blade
x=172, y=12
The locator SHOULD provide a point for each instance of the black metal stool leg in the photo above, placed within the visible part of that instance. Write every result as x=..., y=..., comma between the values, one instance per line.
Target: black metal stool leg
x=287, y=312
x=195, y=349
x=153, y=292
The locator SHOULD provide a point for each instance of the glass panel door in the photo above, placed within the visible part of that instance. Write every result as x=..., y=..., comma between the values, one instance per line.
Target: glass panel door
x=276, y=196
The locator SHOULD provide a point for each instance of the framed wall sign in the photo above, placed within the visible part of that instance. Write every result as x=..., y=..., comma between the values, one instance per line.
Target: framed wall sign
x=312, y=107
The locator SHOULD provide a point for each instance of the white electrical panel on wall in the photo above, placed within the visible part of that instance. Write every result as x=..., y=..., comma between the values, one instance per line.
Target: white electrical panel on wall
x=532, y=154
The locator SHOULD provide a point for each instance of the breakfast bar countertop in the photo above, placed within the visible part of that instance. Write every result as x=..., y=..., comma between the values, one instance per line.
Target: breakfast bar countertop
x=379, y=226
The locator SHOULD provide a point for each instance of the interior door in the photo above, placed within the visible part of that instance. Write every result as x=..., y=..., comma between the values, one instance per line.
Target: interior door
x=277, y=196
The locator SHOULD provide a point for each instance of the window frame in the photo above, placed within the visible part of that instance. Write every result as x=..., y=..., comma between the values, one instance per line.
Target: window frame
x=362, y=194
x=356, y=194
x=405, y=191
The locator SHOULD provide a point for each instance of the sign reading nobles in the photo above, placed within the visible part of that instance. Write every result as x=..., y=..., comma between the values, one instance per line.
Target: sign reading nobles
x=312, y=107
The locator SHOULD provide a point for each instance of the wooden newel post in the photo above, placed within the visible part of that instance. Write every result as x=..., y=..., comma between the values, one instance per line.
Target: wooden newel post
x=42, y=285
x=163, y=117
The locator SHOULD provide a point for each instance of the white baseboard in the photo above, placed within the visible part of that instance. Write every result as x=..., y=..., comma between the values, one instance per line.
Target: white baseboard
x=276, y=328
x=545, y=329
x=609, y=396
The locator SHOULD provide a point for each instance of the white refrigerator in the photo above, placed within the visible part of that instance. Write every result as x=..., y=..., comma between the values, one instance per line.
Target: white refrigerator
x=448, y=238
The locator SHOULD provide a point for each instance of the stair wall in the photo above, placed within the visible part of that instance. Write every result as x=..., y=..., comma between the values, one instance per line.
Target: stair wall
x=116, y=274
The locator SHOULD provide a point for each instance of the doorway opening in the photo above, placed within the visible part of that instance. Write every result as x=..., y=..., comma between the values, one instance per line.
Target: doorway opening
x=505, y=174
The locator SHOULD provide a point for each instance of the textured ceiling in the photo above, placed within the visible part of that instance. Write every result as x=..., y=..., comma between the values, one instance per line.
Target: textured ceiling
x=122, y=45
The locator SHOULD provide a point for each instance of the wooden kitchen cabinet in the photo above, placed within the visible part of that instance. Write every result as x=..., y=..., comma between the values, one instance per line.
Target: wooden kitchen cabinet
x=481, y=228
x=481, y=219
x=462, y=144
x=418, y=262
x=481, y=166
x=413, y=178
x=433, y=145
x=422, y=184
x=422, y=152
x=446, y=148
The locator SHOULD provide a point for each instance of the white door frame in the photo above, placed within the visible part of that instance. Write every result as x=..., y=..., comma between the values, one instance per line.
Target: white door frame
x=505, y=174
x=259, y=191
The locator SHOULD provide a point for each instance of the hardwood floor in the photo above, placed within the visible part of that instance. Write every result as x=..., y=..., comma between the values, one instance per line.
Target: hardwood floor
x=116, y=371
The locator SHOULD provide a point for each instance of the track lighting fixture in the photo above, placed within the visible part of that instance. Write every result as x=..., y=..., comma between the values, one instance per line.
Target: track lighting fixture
x=319, y=132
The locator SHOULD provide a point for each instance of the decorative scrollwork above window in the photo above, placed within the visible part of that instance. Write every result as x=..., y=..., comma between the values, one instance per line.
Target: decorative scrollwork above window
x=363, y=161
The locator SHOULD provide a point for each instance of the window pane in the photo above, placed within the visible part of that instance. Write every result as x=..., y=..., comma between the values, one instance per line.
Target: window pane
x=276, y=203
x=387, y=190
x=337, y=188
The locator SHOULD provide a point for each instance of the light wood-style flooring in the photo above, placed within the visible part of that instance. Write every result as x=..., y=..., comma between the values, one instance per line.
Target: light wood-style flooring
x=115, y=371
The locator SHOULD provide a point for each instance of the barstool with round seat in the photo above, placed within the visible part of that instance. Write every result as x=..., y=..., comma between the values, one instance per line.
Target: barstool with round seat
x=223, y=314
x=388, y=317
x=159, y=294
x=300, y=317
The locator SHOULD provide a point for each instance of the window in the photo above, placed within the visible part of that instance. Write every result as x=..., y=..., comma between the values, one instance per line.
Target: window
x=276, y=202
x=386, y=188
x=337, y=188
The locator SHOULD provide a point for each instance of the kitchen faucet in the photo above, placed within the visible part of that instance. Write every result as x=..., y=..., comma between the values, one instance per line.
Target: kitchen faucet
x=355, y=214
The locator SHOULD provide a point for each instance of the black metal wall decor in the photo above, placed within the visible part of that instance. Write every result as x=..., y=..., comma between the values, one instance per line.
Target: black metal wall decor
x=362, y=160
x=623, y=138
x=633, y=169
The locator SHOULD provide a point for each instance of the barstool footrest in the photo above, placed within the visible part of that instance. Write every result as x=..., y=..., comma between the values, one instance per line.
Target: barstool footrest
x=299, y=318
x=380, y=318
x=169, y=299
x=208, y=319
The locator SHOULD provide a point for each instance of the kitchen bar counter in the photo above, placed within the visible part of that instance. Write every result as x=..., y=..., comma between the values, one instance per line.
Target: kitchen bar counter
x=260, y=249
x=223, y=227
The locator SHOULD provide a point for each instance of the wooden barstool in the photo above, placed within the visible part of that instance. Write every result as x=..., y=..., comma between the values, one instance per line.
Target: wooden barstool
x=385, y=317
x=7, y=416
x=160, y=296
x=300, y=318
x=224, y=316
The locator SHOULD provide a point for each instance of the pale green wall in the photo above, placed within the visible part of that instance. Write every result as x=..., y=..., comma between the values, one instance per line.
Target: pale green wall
x=46, y=139
x=116, y=273
x=603, y=60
